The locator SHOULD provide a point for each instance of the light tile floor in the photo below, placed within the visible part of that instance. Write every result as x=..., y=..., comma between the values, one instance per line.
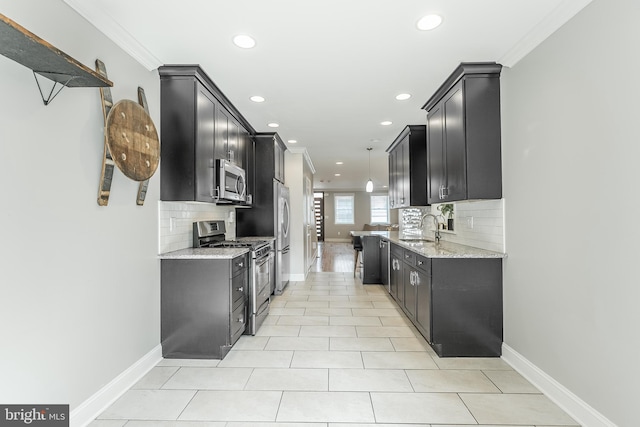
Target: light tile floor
x=333, y=353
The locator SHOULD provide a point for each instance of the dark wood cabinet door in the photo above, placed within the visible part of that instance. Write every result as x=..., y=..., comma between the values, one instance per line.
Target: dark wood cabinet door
x=395, y=278
x=408, y=280
x=233, y=142
x=205, y=144
x=423, y=297
x=455, y=145
x=404, y=167
x=242, y=147
x=222, y=133
x=278, y=158
x=392, y=180
x=435, y=154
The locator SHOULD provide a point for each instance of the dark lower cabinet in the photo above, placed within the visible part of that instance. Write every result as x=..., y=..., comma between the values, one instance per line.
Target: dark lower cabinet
x=203, y=306
x=455, y=303
x=466, y=307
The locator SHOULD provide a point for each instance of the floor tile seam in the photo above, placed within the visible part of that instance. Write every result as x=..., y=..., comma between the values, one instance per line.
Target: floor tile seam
x=186, y=406
x=167, y=380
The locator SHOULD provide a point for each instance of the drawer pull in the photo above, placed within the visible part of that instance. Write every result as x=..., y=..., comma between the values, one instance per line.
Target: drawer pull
x=241, y=264
x=240, y=289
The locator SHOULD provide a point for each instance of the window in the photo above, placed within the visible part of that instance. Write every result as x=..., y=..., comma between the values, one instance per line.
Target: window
x=343, y=207
x=379, y=209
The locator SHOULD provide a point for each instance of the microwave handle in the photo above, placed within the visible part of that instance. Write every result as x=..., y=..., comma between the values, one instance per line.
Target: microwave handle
x=240, y=180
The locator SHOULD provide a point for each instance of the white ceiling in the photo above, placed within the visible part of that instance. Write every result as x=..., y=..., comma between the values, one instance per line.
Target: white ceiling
x=329, y=69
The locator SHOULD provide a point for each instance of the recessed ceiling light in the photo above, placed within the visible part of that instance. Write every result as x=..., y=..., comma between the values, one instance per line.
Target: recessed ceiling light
x=386, y=123
x=257, y=98
x=429, y=22
x=273, y=125
x=403, y=96
x=339, y=163
x=244, y=41
x=336, y=174
x=292, y=141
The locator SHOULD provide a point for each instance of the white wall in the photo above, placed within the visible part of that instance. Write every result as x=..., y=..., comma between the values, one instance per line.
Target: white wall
x=79, y=283
x=297, y=172
x=571, y=146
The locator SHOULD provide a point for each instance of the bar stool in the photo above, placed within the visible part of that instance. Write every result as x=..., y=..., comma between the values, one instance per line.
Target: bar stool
x=357, y=248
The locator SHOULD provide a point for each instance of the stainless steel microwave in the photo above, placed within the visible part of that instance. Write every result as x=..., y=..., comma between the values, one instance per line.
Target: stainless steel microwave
x=232, y=183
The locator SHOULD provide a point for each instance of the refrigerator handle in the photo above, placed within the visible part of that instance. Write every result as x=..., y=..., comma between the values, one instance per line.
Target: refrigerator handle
x=285, y=218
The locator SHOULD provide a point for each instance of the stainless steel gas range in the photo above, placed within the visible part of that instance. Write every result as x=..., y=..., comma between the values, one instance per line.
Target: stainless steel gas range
x=211, y=234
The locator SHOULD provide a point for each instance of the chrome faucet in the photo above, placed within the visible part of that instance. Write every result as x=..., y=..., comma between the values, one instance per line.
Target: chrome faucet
x=435, y=222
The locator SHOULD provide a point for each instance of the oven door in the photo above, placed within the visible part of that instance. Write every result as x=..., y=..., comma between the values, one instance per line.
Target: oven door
x=261, y=285
x=232, y=185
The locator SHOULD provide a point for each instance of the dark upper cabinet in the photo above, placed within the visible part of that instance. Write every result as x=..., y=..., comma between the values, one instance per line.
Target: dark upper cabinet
x=230, y=138
x=198, y=125
x=407, y=172
x=463, y=135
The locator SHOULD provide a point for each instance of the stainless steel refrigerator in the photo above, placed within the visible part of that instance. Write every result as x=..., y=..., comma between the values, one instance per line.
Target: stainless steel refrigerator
x=282, y=229
x=269, y=216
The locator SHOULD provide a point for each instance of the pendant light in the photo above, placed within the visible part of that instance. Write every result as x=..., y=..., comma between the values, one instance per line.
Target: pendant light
x=369, y=187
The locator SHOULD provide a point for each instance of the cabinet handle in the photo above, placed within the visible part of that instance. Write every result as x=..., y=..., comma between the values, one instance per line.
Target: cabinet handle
x=241, y=264
x=241, y=319
x=416, y=279
x=240, y=289
x=407, y=256
x=420, y=262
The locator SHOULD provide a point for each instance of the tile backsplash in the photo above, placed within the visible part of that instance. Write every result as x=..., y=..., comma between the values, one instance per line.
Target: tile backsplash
x=477, y=223
x=177, y=218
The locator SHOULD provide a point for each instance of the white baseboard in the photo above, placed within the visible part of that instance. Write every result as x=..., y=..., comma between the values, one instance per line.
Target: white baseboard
x=88, y=410
x=577, y=408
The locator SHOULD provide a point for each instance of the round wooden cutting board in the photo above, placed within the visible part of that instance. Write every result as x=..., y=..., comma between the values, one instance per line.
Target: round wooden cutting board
x=133, y=140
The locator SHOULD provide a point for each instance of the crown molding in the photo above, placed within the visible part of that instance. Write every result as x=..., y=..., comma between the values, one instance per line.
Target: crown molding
x=114, y=31
x=556, y=19
x=305, y=154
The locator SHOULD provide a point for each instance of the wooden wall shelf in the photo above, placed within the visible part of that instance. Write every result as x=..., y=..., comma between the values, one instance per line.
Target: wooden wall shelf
x=24, y=47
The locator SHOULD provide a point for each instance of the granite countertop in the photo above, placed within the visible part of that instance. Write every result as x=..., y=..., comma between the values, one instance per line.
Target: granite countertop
x=205, y=253
x=443, y=249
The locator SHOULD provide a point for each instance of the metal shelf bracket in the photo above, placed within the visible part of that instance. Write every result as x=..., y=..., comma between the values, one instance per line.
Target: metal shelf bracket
x=53, y=93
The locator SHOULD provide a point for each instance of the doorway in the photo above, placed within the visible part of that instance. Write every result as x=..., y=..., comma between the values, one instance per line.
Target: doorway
x=318, y=207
